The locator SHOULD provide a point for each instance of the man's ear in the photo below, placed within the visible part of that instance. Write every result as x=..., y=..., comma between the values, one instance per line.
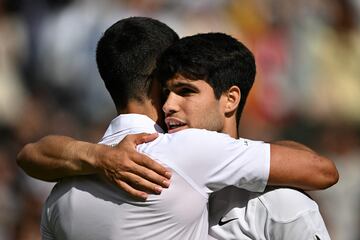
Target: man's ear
x=233, y=97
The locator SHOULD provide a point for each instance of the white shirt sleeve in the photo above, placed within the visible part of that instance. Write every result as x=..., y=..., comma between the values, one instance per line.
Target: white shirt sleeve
x=308, y=225
x=215, y=160
x=305, y=226
x=46, y=233
x=279, y=213
x=291, y=214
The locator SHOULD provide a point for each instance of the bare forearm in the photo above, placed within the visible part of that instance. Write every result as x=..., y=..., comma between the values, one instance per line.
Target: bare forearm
x=293, y=164
x=55, y=157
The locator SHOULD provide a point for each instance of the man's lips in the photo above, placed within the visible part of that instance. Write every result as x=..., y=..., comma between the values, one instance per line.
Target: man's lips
x=174, y=124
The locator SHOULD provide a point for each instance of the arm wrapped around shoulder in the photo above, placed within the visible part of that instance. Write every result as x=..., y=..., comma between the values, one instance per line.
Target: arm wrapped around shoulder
x=293, y=164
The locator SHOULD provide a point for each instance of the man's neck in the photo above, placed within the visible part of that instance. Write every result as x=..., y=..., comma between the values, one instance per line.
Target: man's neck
x=230, y=128
x=144, y=108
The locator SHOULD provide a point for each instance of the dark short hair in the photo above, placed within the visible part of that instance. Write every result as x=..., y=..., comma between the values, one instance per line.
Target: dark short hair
x=217, y=58
x=126, y=56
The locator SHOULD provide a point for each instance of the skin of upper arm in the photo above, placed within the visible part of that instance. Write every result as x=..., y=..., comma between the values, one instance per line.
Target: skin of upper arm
x=300, y=168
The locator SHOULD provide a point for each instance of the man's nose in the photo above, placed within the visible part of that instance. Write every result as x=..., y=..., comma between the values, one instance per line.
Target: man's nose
x=170, y=106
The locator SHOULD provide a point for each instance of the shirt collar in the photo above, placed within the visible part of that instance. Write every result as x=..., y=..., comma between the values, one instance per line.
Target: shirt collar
x=140, y=122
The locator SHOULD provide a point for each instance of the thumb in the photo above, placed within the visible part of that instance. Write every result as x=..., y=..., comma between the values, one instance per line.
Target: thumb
x=136, y=139
x=145, y=138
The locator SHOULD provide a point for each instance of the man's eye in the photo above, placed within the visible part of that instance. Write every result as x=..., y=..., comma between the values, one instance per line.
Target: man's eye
x=165, y=92
x=185, y=91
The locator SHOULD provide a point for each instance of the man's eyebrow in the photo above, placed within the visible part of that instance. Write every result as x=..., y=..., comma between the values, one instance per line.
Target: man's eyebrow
x=181, y=84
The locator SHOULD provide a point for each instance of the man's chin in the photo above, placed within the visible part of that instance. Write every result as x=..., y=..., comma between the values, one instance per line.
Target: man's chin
x=174, y=130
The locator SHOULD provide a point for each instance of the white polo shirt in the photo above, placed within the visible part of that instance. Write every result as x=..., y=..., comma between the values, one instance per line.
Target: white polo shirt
x=278, y=213
x=201, y=162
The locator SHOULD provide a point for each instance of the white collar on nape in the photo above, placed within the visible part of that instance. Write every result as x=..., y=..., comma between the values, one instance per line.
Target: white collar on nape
x=125, y=122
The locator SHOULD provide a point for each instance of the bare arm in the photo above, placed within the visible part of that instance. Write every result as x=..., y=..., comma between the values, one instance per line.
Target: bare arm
x=55, y=157
x=293, y=164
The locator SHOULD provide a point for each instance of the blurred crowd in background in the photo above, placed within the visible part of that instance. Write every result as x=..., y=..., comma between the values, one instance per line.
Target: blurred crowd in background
x=307, y=86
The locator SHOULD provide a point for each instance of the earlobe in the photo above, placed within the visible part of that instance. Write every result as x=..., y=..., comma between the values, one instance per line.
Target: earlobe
x=233, y=99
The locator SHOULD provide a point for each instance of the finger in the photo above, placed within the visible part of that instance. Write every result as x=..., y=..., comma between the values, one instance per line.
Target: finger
x=130, y=190
x=136, y=139
x=150, y=176
x=147, y=162
x=145, y=138
x=141, y=184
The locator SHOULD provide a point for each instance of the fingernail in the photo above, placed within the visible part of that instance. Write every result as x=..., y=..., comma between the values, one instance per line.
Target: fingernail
x=158, y=189
x=166, y=183
x=144, y=195
x=168, y=174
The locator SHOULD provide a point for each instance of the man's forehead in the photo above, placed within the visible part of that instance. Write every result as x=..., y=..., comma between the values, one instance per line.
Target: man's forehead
x=179, y=80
